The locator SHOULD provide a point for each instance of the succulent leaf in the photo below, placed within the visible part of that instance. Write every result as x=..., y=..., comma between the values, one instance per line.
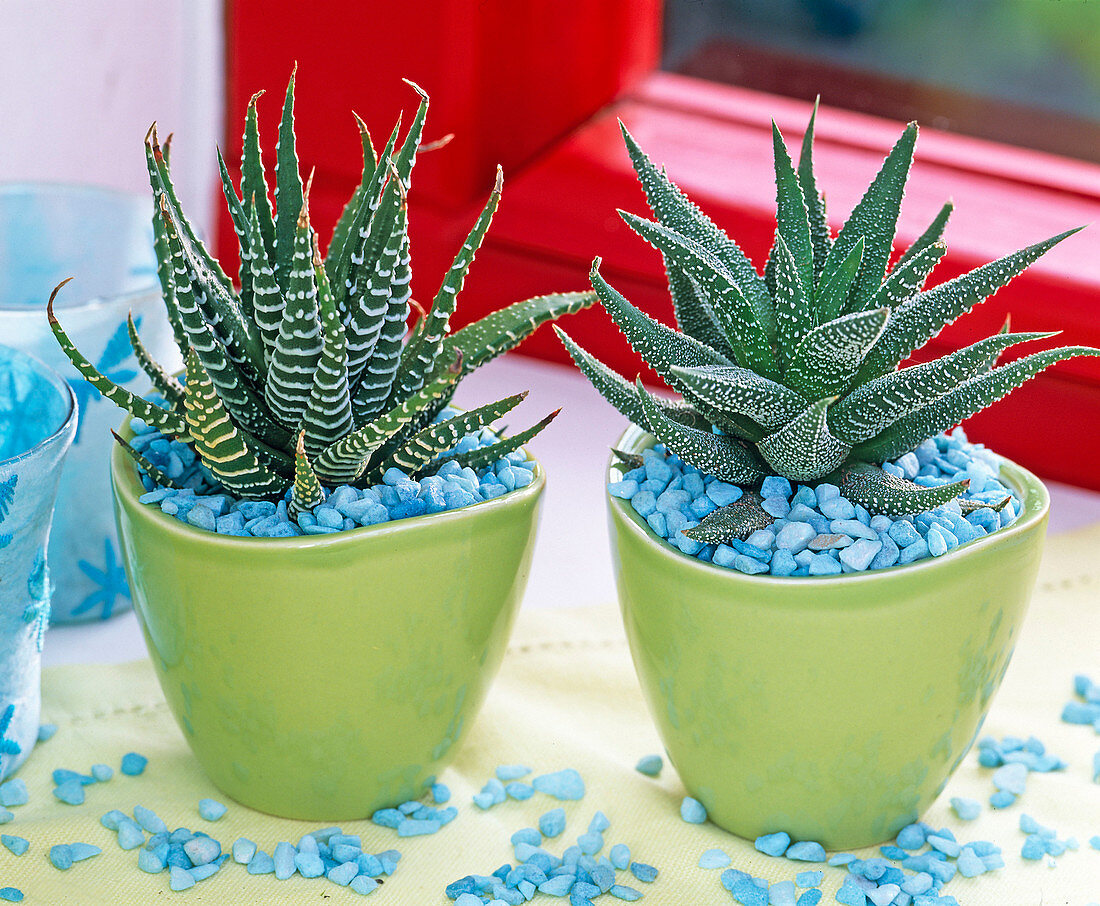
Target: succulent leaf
x=406, y=156
x=345, y=225
x=694, y=313
x=908, y=276
x=288, y=190
x=506, y=328
x=743, y=333
x=876, y=405
x=267, y=299
x=820, y=235
x=731, y=389
x=327, y=415
x=832, y=291
x=349, y=457
x=804, y=449
x=297, y=352
x=828, y=357
x=875, y=218
x=218, y=441
x=880, y=492
x=481, y=457
x=737, y=520
x=723, y=457
x=792, y=218
x=932, y=235
x=156, y=474
x=166, y=385
x=965, y=400
x=306, y=492
x=164, y=420
x=660, y=345
x=915, y=322
x=672, y=208
x=419, y=357
x=239, y=217
x=972, y=506
x=793, y=314
x=429, y=442
x=253, y=181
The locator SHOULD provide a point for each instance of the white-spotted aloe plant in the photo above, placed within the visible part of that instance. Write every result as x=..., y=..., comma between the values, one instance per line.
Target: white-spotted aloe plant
x=798, y=368
x=307, y=373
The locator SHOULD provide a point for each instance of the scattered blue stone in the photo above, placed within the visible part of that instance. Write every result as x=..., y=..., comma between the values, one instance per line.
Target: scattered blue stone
x=647, y=874
x=211, y=809
x=11, y=894
x=133, y=764
x=714, y=858
x=46, y=731
x=15, y=845
x=552, y=824
x=566, y=785
x=966, y=809
x=693, y=811
x=13, y=793
x=773, y=844
x=650, y=765
x=806, y=851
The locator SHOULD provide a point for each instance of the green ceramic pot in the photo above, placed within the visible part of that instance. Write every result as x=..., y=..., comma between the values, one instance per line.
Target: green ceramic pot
x=323, y=677
x=833, y=708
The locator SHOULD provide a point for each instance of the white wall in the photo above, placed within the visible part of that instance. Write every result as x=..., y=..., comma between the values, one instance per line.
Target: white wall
x=81, y=80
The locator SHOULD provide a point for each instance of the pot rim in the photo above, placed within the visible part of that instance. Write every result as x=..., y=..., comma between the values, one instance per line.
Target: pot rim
x=1036, y=504
x=64, y=389
x=128, y=488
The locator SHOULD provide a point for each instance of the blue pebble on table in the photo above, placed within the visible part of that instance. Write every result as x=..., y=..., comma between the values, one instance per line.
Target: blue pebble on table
x=817, y=532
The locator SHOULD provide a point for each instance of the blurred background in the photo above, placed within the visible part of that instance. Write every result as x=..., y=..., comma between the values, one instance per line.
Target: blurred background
x=1007, y=93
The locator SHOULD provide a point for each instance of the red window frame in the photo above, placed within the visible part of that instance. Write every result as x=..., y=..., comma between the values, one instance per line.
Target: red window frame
x=540, y=92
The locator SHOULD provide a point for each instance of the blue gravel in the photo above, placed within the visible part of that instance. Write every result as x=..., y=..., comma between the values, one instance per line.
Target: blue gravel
x=1083, y=710
x=816, y=531
x=203, y=504
x=650, y=765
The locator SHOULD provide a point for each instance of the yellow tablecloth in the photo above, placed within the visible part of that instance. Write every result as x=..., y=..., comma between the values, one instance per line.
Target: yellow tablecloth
x=566, y=697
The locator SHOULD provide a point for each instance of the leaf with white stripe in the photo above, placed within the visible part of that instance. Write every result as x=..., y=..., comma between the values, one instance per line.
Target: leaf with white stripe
x=288, y=190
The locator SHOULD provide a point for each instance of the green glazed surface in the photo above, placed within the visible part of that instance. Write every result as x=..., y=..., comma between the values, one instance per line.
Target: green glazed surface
x=323, y=677
x=833, y=708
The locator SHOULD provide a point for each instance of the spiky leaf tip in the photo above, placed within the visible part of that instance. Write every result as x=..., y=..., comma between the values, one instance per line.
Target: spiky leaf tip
x=880, y=492
x=738, y=520
x=306, y=492
x=805, y=449
x=158, y=475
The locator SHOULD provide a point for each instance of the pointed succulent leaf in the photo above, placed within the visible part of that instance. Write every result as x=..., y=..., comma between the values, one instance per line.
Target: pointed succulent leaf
x=346, y=223
x=804, y=448
x=932, y=235
x=348, y=458
x=507, y=327
x=792, y=219
x=907, y=278
x=481, y=457
x=298, y=347
x=164, y=277
x=828, y=357
x=306, y=492
x=672, y=208
x=157, y=475
x=406, y=156
x=429, y=442
x=267, y=299
x=875, y=218
x=239, y=216
x=880, y=492
x=327, y=415
x=694, y=313
x=372, y=287
x=794, y=317
x=627, y=459
x=620, y=393
x=743, y=333
x=376, y=379
x=367, y=235
x=419, y=357
x=833, y=290
x=961, y=403
x=288, y=190
x=737, y=520
x=723, y=457
x=166, y=385
x=972, y=506
x=219, y=443
x=730, y=389
x=164, y=420
x=253, y=181
x=915, y=322
x=659, y=345
x=820, y=236
x=876, y=405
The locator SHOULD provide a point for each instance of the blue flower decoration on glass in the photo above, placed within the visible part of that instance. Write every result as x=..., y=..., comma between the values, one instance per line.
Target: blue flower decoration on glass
x=115, y=355
x=39, y=588
x=7, y=746
x=7, y=495
x=110, y=582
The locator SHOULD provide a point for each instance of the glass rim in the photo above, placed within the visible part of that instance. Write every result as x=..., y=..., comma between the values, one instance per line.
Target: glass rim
x=59, y=384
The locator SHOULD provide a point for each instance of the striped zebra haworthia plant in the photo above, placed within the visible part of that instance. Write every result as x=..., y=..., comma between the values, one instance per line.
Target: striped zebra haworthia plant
x=798, y=368
x=307, y=373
